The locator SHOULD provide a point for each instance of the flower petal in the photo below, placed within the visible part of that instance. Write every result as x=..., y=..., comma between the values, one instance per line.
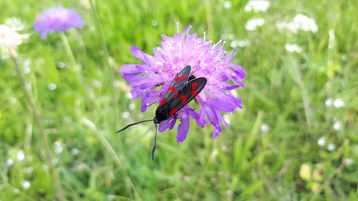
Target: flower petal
x=172, y=122
x=149, y=99
x=238, y=72
x=183, y=127
x=136, y=92
x=196, y=116
x=231, y=87
x=129, y=68
x=138, y=53
x=217, y=131
x=131, y=77
x=163, y=125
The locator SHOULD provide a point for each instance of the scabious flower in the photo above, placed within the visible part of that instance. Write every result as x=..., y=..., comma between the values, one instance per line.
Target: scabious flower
x=57, y=19
x=152, y=78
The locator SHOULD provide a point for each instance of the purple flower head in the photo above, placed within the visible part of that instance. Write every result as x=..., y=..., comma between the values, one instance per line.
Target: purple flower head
x=206, y=60
x=57, y=19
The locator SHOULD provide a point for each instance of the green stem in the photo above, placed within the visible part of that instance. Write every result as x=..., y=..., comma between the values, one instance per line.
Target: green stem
x=37, y=119
x=209, y=18
x=76, y=67
x=108, y=146
x=100, y=32
x=305, y=97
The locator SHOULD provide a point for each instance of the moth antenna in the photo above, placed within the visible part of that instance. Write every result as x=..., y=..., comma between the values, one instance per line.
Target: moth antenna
x=129, y=125
x=155, y=141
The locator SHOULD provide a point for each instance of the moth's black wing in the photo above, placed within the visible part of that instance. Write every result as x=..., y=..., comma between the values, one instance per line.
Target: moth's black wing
x=188, y=93
x=176, y=86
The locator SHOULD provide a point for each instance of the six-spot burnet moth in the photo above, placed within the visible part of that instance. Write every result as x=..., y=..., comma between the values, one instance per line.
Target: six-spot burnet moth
x=181, y=91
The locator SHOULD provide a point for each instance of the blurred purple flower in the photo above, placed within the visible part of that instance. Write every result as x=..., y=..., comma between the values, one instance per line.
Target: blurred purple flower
x=57, y=19
x=207, y=60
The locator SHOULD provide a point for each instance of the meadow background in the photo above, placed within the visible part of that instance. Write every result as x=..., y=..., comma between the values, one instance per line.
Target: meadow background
x=295, y=139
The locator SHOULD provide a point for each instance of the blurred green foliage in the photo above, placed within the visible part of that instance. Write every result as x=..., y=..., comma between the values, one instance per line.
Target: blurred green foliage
x=286, y=92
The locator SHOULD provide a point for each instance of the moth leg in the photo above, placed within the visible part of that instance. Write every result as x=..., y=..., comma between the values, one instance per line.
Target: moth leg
x=196, y=101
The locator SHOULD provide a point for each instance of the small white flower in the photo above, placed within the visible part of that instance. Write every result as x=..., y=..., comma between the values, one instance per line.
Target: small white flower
x=227, y=4
x=329, y=102
x=253, y=23
x=231, y=36
x=337, y=125
x=125, y=115
x=264, y=128
x=52, y=86
x=61, y=65
x=154, y=23
x=27, y=69
x=26, y=184
x=239, y=43
x=348, y=161
x=214, y=153
x=224, y=148
x=257, y=5
x=29, y=170
x=96, y=83
x=45, y=167
x=282, y=25
x=12, y=100
x=234, y=44
x=58, y=147
x=304, y=23
x=111, y=197
x=234, y=92
x=299, y=23
x=186, y=178
x=339, y=103
x=15, y=23
x=9, y=162
x=55, y=161
x=243, y=43
x=227, y=118
x=10, y=39
x=20, y=155
x=16, y=191
x=291, y=47
x=331, y=147
x=75, y=152
x=322, y=141
x=131, y=106
x=86, y=4
x=129, y=96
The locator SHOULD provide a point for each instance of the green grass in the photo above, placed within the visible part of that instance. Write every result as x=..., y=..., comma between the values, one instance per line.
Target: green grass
x=286, y=91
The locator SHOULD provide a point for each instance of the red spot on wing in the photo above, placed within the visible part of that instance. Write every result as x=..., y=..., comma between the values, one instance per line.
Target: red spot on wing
x=194, y=85
x=173, y=111
x=172, y=89
x=162, y=101
x=193, y=93
x=183, y=98
x=176, y=95
x=177, y=79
